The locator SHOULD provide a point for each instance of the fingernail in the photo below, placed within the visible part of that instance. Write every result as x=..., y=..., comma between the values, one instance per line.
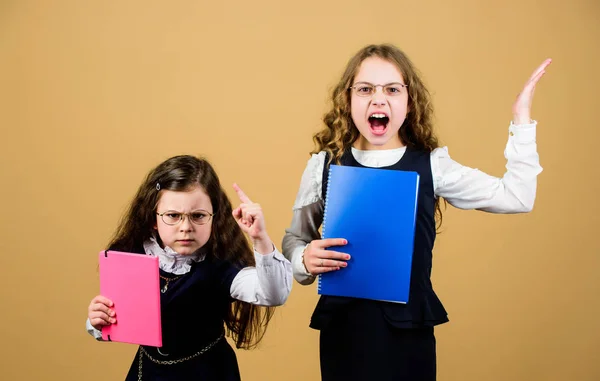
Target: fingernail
x=347, y=257
x=344, y=265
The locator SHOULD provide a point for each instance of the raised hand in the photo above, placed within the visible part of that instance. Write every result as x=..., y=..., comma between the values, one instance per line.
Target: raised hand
x=522, y=106
x=249, y=216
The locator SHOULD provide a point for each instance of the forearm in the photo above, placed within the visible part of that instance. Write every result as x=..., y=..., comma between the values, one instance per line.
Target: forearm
x=303, y=229
x=269, y=283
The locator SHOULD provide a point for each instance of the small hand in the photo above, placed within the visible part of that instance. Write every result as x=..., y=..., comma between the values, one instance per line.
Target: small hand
x=100, y=313
x=249, y=216
x=522, y=106
x=318, y=260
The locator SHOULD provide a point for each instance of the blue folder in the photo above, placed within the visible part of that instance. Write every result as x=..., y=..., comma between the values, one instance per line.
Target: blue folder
x=375, y=210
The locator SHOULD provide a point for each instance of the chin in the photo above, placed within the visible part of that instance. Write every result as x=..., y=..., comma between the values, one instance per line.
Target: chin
x=379, y=141
x=187, y=250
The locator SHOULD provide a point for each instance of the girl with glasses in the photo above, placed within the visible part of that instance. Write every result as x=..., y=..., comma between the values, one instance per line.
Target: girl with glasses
x=381, y=116
x=212, y=283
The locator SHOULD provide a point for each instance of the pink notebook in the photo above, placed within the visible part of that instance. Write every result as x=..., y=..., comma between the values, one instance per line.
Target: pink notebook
x=131, y=281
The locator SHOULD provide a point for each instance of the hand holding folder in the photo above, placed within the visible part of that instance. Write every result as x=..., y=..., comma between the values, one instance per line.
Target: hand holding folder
x=131, y=282
x=100, y=312
x=319, y=258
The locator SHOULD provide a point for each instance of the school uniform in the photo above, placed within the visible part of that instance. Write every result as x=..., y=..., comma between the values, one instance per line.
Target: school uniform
x=394, y=341
x=195, y=301
x=372, y=340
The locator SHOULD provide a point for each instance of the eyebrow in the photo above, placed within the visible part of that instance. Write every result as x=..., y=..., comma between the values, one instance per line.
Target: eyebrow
x=385, y=84
x=191, y=211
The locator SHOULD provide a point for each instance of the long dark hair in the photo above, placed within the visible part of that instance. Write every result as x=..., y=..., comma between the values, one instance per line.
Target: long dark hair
x=246, y=323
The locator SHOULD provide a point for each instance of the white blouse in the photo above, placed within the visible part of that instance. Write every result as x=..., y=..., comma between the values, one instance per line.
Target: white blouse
x=463, y=187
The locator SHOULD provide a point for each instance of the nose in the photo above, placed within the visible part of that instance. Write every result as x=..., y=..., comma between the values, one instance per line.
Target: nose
x=378, y=99
x=186, y=224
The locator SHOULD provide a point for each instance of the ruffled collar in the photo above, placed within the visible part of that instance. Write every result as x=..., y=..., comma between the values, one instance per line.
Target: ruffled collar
x=169, y=260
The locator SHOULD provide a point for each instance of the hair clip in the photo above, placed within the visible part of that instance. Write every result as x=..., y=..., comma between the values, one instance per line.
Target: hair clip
x=157, y=186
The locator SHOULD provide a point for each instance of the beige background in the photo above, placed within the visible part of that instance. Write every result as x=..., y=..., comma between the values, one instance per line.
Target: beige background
x=93, y=94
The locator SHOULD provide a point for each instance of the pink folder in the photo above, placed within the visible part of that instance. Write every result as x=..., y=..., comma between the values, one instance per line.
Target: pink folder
x=131, y=281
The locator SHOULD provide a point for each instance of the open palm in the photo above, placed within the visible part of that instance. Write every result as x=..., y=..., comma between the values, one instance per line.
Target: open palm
x=522, y=106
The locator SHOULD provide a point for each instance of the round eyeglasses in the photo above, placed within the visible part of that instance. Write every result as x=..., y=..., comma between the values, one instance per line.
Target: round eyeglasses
x=198, y=217
x=366, y=89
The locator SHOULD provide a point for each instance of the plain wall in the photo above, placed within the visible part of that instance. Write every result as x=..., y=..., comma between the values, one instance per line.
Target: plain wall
x=95, y=94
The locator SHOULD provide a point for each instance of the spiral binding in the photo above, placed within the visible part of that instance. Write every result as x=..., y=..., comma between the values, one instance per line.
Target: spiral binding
x=324, y=219
x=326, y=203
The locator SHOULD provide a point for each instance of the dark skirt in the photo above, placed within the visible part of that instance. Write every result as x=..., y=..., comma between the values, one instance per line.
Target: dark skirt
x=217, y=364
x=360, y=344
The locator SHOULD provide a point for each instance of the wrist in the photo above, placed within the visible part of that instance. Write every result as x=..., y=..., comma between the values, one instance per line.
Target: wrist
x=302, y=259
x=517, y=120
x=263, y=244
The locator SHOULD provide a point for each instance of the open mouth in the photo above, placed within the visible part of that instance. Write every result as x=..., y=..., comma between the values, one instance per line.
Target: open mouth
x=378, y=123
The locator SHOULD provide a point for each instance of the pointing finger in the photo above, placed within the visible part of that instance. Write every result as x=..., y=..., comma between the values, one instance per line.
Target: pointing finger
x=241, y=194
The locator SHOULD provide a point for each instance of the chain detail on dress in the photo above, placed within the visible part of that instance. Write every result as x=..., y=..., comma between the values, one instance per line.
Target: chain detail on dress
x=143, y=352
x=167, y=280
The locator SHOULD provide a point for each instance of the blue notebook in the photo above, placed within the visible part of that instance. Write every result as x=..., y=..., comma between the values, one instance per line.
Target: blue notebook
x=375, y=210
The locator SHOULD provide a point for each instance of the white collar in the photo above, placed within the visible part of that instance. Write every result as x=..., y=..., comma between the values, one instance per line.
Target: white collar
x=169, y=260
x=378, y=158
